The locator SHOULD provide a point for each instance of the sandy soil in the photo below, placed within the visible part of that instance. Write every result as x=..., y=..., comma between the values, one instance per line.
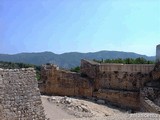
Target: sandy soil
x=53, y=111
x=65, y=108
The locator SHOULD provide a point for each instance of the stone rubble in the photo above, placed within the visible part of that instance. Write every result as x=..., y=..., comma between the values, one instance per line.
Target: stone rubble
x=72, y=106
x=100, y=101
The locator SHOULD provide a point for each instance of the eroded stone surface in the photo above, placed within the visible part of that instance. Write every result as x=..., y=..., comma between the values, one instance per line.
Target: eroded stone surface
x=60, y=82
x=19, y=95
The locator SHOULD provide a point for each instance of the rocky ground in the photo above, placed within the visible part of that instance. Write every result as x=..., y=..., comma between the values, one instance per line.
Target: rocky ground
x=67, y=108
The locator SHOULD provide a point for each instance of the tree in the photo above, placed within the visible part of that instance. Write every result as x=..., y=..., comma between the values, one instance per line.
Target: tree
x=127, y=61
x=76, y=69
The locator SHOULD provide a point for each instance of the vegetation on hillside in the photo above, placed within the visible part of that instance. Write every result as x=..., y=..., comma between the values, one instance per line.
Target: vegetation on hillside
x=76, y=69
x=139, y=60
x=12, y=65
x=67, y=60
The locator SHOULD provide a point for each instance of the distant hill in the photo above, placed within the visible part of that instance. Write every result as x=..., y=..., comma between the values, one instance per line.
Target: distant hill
x=68, y=60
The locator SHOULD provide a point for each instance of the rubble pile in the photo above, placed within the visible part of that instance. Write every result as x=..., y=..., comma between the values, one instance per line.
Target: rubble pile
x=72, y=106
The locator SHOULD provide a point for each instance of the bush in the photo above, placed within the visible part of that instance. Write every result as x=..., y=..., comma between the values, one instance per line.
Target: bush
x=76, y=69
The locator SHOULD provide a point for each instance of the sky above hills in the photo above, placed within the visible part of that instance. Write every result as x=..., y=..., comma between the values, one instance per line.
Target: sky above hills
x=79, y=25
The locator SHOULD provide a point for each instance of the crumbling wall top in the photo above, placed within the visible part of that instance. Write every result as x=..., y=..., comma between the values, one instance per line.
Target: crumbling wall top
x=91, y=62
x=158, y=53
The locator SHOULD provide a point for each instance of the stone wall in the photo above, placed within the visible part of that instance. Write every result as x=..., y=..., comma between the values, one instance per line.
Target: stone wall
x=116, y=83
x=60, y=82
x=150, y=94
x=143, y=68
x=117, y=76
x=90, y=68
x=19, y=95
x=123, y=99
x=119, y=84
x=122, y=80
x=150, y=99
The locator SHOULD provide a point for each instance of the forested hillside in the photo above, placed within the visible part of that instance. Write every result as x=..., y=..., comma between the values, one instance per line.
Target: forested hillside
x=68, y=60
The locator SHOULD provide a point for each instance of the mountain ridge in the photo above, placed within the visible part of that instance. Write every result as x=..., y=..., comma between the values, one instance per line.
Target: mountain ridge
x=69, y=59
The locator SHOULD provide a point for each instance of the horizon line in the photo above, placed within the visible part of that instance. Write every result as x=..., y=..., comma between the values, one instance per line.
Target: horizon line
x=74, y=52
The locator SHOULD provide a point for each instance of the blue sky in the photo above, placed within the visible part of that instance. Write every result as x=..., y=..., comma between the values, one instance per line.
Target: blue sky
x=79, y=25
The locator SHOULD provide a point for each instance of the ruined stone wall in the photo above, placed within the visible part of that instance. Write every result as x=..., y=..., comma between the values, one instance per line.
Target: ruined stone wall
x=90, y=68
x=117, y=76
x=124, y=99
x=118, y=83
x=122, y=80
x=123, y=76
x=131, y=68
x=150, y=99
x=60, y=82
x=150, y=94
x=115, y=83
x=19, y=95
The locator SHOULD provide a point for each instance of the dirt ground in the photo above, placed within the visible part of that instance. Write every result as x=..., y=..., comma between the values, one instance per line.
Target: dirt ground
x=66, y=108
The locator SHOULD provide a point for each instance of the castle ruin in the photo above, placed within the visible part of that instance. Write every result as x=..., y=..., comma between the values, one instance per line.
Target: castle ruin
x=134, y=86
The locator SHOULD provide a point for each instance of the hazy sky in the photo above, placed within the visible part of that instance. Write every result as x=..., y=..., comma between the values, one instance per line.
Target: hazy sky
x=79, y=25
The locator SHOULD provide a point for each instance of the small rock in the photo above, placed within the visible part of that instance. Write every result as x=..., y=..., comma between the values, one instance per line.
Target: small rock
x=84, y=108
x=100, y=101
x=53, y=98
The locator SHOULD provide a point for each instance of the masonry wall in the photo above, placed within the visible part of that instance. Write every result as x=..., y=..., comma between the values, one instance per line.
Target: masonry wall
x=19, y=95
x=124, y=99
x=131, y=68
x=117, y=76
x=90, y=68
x=115, y=83
x=150, y=99
x=118, y=83
x=122, y=80
x=60, y=82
